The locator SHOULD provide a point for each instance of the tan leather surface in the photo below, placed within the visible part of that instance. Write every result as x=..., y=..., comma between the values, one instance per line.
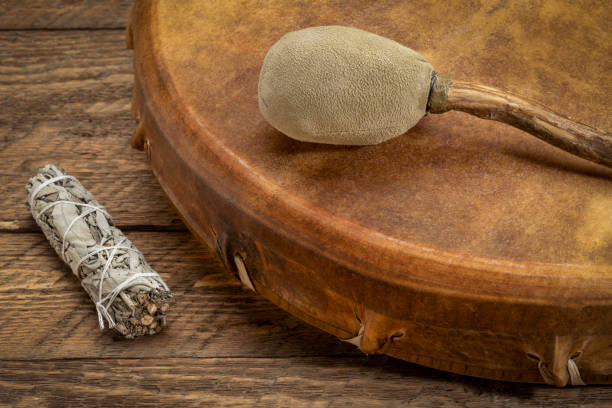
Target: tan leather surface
x=453, y=183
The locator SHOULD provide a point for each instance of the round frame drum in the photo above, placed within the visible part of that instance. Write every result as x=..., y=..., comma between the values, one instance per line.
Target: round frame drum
x=463, y=245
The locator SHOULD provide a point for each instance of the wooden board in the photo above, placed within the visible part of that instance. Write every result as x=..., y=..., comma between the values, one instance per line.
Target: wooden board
x=267, y=382
x=66, y=99
x=63, y=14
x=49, y=90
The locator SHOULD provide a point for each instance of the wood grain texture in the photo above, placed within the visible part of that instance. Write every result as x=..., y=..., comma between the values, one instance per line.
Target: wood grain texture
x=267, y=382
x=63, y=14
x=45, y=313
x=67, y=88
x=224, y=346
x=65, y=99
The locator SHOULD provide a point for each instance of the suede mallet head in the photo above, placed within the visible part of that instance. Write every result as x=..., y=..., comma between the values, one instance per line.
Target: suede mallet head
x=342, y=85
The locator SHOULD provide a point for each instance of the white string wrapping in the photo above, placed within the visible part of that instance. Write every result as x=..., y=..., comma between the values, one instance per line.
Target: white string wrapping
x=104, y=301
x=101, y=308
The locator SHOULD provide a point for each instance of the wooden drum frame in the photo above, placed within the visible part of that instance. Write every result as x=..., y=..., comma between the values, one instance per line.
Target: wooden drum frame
x=463, y=245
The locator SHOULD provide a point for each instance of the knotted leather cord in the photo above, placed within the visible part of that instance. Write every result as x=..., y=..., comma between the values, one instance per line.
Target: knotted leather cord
x=572, y=369
x=432, y=84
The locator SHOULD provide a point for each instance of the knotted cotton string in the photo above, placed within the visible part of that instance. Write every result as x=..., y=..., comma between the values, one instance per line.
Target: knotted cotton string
x=103, y=303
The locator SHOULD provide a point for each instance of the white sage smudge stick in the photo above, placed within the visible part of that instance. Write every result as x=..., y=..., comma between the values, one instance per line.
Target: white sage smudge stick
x=129, y=295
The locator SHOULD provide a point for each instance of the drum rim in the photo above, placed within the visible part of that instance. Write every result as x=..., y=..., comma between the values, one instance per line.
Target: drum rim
x=522, y=274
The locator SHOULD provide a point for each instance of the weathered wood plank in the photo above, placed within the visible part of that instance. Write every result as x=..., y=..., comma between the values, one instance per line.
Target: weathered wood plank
x=292, y=382
x=65, y=99
x=63, y=14
x=45, y=313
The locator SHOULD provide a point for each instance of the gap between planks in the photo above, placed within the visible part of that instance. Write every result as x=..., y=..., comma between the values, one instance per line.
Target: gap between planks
x=124, y=228
x=51, y=29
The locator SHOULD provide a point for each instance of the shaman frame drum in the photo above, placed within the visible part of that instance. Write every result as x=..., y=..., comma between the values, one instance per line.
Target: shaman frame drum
x=463, y=245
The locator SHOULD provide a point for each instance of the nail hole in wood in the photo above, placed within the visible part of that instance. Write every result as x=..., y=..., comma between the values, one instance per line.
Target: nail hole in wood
x=533, y=356
x=396, y=336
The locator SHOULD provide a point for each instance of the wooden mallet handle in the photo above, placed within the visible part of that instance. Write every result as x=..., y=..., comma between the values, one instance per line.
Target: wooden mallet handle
x=494, y=104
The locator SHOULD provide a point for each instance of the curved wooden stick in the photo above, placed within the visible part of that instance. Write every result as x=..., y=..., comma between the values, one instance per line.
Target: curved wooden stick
x=491, y=103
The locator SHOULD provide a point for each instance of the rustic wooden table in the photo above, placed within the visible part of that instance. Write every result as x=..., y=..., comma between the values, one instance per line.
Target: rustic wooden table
x=65, y=87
